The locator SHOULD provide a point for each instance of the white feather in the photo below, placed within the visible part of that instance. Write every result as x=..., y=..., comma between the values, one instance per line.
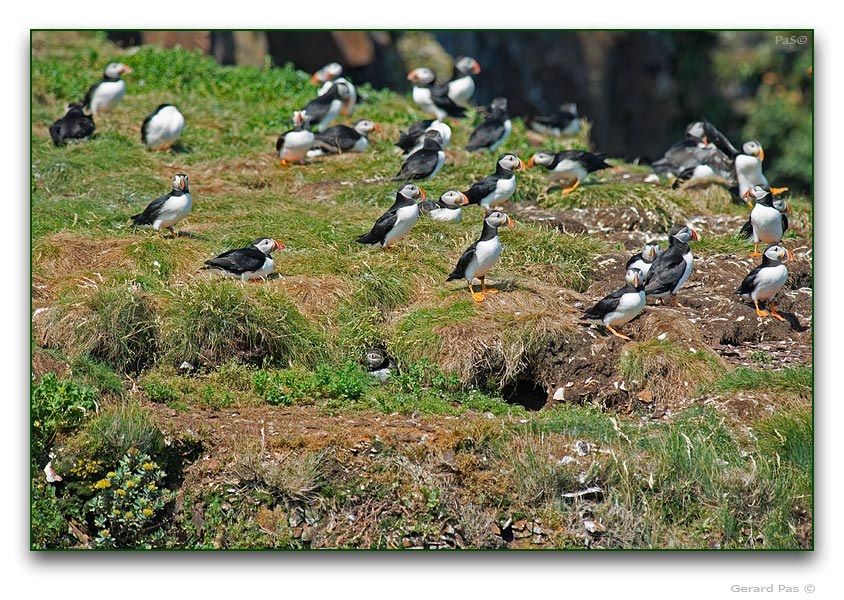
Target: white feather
x=164, y=128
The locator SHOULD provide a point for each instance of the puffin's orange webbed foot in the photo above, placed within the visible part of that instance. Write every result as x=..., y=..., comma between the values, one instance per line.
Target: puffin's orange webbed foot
x=478, y=297
x=618, y=333
x=775, y=314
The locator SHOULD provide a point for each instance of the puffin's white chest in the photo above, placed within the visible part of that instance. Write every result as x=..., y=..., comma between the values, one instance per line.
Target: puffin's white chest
x=508, y=129
x=689, y=259
x=422, y=98
x=447, y=215
x=461, y=90
x=749, y=173
x=164, y=128
x=262, y=272
x=767, y=224
x=486, y=255
x=629, y=305
x=504, y=188
x=405, y=219
x=107, y=95
x=361, y=145
x=296, y=145
x=768, y=282
x=174, y=210
x=568, y=168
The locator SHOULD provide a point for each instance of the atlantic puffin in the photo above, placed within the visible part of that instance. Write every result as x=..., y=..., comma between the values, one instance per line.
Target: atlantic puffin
x=424, y=163
x=494, y=131
x=670, y=270
x=162, y=127
x=322, y=110
x=763, y=282
x=570, y=164
x=341, y=138
x=481, y=256
x=75, y=125
x=432, y=99
x=768, y=221
x=293, y=145
x=703, y=145
x=379, y=365
x=621, y=306
x=562, y=123
x=498, y=187
x=328, y=76
x=411, y=140
x=397, y=221
x=749, y=168
x=462, y=86
x=106, y=93
x=644, y=259
x=447, y=208
x=252, y=262
x=167, y=210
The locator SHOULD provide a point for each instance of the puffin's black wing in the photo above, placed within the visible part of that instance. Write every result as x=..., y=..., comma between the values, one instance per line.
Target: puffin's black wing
x=439, y=96
x=427, y=206
x=239, y=261
x=665, y=272
x=607, y=304
x=337, y=139
x=749, y=282
x=460, y=270
x=784, y=223
x=382, y=226
x=747, y=229
x=279, y=143
x=679, y=157
x=487, y=133
x=408, y=140
x=720, y=140
x=56, y=132
x=317, y=109
x=145, y=126
x=418, y=165
x=86, y=102
x=150, y=212
x=481, y=189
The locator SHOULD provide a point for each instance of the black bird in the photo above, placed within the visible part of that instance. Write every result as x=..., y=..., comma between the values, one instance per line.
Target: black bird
x=462, y=86
x=424, y=163
x=644, y=259
x=252, y=262
x=481, y=256
x=672, y=268
x=498, y=187
x=494, y=131
x=763, y=282
x=768, y=221
x=704, y=149
x=621, y=306
x=432, y=99
x=322, y=110
x=564, y=122
x=167, y=210
x=379, y=365
x=75, y=125
x=411, y=140
x=106, y=93
x=570, y=164
x=397, y=221
x=341, y=138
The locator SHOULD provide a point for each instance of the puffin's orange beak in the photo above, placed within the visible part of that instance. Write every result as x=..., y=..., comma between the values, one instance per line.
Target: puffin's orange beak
x=761, y=154
x=476, y=68
x=695, y=236
x=520, y=166
x=705, y=140
x=422, y=193
x=788, y=254
x=464, y=199
x=778, y=191
x=126, y=69
x=314, y=78
x=412, y=75
x=278, y=245
x=510, y=221
x=531, y=161
x=377, y=128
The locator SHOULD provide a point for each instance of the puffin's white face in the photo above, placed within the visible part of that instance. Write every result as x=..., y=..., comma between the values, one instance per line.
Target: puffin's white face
x=696, y=130
x=454, y=198
x=541, y=158
x=753, y=148
x=374, y=357
x=365, y=126
x=332, y=71
x=686, y=234
x=180, y=182
x=757, y=192
x=511, y=162
x=496, y=218
x=633, y=277
x=412, y=192
x=651, y=251
x=467, y=66
x=779, y=253
x=115, y=70
x=267, y=245
x=421, y=76
x=300, y=117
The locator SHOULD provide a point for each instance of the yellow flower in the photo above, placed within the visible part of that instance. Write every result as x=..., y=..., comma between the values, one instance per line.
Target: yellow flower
x=147, y=512
x=151, y=486
x=121, y=492
x=105, y=533
x=116, y=511
x=149, y=466
x=130, y=514
x=102, y=484
x=130, y=483
x=111, y=474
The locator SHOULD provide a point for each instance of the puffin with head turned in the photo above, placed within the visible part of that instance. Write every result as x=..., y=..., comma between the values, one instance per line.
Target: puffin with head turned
x=462, y=86
x=167, y=210
x=425, y=162
x=564, y=122
x=106, y=93
x=644, y=259
x=766, y=280
x=497, y=188
x=748, y=165
x=621, y=306
x=670, y=270
x=252, y=262
x=323, y=110
x=163, y=127
x=398, y=220
x=768, y=221
x=447, y=209
x=75, y=125
x=411, y=140
x=432, y=99
x=481, y=256
x=569, y=164
x=293, y=145
x=328, y=76
x=341, y=138
x=494, y=131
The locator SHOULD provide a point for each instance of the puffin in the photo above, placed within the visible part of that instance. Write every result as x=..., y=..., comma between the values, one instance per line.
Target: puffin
x=167, y=210
x=749, y=168
x=462, y=86
x=323, y=109
x=570, y=164
x=331, y=74
x=494, y=131
x=293, y=145
x=621, y=306
x=424, y=163
x=644, y=259
x=341, y=138
x=106, y=93
x=768, y=221
x=670, y=270
x=498, y=187
x=432, y=99
x=481, y=256
x=447, y=208
x=411, y=140
x=252, y=262
x=563, y=123
x=763, y=282
x=703, y=145
x=379, y=365
x=162, y=127
x=75, y=125
x=397, y=221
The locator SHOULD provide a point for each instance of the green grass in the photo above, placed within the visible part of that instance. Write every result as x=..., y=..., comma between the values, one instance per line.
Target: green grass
x=795, y=381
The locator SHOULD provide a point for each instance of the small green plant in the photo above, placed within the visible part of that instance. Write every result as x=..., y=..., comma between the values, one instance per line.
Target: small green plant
x=116, y=431
x=48, y=524
x=127, y=502
x=56, y=407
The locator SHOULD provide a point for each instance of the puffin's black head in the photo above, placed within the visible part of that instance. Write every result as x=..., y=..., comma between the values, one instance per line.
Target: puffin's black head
x=115, y=70
x=433, y=136
x=753, y=148
x=543, y=158
x=365, y=127
x=454, y=199
x=511, y=162
x=683, y=233
x=421, y=76
x=74, y=108
x=634, y=277
x=496, y=218
x=651, y=251
x=267, y=245
x=466, y=65
x=411, y=192
x=180, y=182
x=778, y=253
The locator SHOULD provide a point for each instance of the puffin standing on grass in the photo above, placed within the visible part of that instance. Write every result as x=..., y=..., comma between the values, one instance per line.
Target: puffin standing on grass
x=75, y=125
x=162, y=127
x=328, y=76
x=341, y=138
x=293, y=145
x=322, y=110
x=569, y=164
x=670, y=270
x=447, y=208
x=433, y=100
x=644, y=259
x=397, y=221
x=498, y=187
x=481, y=256
x=494, y=131
x=106, y=93
x=766, y=280
x=252, y=262
x=425, y=162
x=411, y=140
x=167, y=210
x=768, y=221
x=564, y=122
x=462, y=86
x=621, y=306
